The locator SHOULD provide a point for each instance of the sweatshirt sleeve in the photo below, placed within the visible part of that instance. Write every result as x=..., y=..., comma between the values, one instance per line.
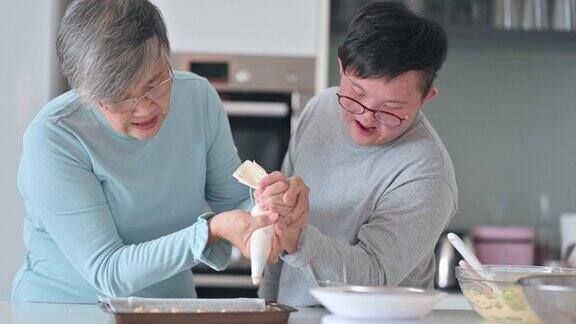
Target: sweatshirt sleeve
x=59, y=185
x=397, y=236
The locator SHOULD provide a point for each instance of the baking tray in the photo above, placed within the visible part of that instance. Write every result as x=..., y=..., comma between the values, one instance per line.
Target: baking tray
x=275, y=314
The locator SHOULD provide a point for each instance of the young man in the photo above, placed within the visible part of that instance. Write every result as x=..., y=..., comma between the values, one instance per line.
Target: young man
x=382, y=186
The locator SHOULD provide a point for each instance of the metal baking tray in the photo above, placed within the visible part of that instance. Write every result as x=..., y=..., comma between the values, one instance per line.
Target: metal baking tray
x=275, y=314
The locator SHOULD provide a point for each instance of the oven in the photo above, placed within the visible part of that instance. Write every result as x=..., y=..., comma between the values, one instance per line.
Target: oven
x=263, y=97
x=260, y=124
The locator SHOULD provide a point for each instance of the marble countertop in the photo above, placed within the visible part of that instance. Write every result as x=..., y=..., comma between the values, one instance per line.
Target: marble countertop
x=453, y=309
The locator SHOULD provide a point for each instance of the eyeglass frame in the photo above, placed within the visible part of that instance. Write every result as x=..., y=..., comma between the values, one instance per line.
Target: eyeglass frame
x=364, y=108
x=136, y=99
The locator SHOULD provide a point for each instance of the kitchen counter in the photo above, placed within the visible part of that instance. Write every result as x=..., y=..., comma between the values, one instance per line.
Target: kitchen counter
x=453, y=309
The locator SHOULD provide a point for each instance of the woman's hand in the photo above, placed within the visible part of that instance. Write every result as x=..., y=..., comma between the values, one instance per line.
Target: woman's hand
x=289, y=197
x=237, y=226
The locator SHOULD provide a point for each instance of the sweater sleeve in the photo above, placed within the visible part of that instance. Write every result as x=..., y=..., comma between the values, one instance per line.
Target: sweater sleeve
x=402, y=230
x=59, y=185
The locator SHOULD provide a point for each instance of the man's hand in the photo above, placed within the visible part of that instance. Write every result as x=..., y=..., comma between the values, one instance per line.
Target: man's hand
x=289, y=198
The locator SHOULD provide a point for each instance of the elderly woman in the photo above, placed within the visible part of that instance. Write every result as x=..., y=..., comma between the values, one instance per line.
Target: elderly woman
x=115, y=173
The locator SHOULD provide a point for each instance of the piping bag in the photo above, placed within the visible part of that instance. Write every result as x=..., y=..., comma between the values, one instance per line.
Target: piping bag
x=250, y=174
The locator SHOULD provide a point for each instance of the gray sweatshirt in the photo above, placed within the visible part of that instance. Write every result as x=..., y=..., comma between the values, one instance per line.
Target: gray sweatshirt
x=375, y=212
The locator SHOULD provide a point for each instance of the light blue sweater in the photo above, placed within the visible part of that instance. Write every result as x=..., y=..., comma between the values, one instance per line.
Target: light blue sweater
x=110, y=215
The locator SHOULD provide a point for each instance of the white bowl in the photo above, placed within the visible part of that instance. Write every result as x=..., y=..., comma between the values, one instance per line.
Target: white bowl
x=377, y=302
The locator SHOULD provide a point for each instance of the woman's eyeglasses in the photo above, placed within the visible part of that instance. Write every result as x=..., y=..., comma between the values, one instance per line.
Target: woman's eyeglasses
x=155, y=93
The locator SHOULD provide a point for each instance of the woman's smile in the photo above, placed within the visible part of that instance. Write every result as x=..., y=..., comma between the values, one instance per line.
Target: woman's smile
x=146, y=124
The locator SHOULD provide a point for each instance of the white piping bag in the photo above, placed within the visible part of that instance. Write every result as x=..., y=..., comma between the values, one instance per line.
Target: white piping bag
x=250, y=174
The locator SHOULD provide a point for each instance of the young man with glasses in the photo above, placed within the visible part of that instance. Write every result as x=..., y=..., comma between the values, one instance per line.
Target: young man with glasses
x=382, y=185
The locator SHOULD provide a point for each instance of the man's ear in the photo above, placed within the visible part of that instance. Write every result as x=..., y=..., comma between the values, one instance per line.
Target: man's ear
x=432, y=93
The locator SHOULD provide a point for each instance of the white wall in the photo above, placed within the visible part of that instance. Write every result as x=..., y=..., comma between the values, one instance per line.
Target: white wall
x=273, y=27
x=27, y=81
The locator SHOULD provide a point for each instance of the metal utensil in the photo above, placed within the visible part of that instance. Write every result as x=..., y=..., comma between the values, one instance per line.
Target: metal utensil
x=446, y=259
x=535, y=15
x=552, y=297
x=507, y=14
x=571, y=256
x=564, y=15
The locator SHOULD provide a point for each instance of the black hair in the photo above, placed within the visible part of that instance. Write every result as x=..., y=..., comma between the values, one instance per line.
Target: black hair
x=385, y=39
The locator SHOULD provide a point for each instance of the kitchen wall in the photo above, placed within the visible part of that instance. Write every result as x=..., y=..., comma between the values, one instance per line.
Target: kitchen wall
x=507, y=114
x=28, y=80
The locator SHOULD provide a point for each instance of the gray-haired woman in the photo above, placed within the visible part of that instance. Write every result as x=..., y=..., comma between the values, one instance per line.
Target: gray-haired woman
x=115, y=185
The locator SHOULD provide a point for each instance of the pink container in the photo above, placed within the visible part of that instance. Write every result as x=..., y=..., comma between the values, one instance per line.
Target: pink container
x=510, y=245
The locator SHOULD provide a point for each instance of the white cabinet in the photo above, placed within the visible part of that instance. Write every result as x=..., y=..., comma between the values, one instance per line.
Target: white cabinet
x=251, y=27
x=271, y=27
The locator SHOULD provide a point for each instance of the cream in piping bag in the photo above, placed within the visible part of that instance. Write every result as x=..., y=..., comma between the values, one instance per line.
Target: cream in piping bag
x=250, y=174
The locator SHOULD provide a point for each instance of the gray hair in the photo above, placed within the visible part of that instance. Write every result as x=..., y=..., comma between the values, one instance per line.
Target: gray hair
x=104, y=46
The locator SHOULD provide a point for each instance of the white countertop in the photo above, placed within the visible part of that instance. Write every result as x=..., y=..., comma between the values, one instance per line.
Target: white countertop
x=453, y=309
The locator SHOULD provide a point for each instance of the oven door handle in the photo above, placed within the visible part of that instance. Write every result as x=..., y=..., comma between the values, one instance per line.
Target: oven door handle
x=256, y=109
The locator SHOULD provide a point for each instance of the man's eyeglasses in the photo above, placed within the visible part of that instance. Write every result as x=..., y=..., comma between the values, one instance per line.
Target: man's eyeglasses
x=155, y=93
x=355, y=107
